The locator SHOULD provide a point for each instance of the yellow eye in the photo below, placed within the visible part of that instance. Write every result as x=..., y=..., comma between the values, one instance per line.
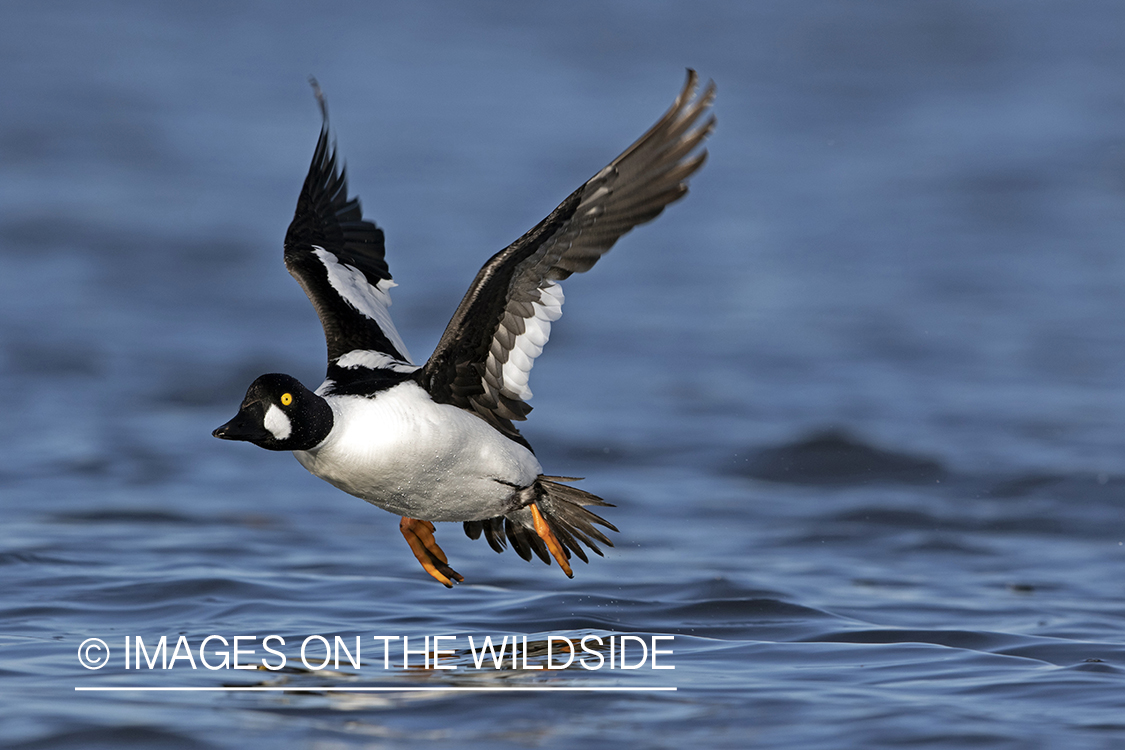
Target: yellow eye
x=286, y=399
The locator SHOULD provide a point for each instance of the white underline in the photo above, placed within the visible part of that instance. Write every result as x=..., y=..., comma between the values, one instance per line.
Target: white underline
x=255, y=689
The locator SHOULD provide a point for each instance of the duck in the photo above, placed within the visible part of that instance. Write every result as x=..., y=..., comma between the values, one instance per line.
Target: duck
x=437, y=442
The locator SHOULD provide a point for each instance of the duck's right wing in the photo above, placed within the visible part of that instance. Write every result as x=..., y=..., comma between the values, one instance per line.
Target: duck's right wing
x=484, y=357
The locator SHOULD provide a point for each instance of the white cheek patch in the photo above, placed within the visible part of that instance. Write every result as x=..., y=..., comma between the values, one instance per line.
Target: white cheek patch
x=373, y=302
x=277, y=423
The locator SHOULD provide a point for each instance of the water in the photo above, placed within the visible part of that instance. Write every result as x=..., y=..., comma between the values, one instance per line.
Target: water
x=858, y=398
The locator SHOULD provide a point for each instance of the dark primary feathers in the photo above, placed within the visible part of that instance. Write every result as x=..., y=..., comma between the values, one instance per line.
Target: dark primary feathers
x=338, y=258
x=483, y=359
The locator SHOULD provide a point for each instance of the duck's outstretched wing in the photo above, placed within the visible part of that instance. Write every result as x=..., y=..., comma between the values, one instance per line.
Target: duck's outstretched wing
x=337, y=257
x=484, y=357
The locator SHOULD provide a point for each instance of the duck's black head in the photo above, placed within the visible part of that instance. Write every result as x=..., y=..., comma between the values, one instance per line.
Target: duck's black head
x=279, y=414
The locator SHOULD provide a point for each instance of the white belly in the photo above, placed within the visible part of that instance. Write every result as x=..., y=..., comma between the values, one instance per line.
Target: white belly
x=413, y=457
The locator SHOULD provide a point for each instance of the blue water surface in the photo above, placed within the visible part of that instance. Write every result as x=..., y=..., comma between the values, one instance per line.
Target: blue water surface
x=858, y=398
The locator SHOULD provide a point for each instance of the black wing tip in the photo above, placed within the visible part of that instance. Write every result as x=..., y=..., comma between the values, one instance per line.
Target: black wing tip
x=321, y=101
x=692, y=106
x=327, y=215
x=692, y=81
x=687, y=98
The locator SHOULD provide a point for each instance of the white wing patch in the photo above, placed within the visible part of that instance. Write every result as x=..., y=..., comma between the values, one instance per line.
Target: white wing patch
x=372, y=302
x=529, y=344
x=373, y=360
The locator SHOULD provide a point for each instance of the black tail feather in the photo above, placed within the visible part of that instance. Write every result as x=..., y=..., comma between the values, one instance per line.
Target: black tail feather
x=494, y=533
x=563, y=508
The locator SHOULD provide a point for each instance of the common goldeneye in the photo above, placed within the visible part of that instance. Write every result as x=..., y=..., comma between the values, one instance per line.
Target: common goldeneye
x=435, y=442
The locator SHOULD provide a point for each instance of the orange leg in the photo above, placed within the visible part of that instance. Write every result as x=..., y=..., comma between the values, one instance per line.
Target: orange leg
x=420, y=536
x=548, y=537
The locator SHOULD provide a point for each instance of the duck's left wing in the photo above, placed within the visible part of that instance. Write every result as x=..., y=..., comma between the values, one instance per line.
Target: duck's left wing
x=338, y=258
x=485, y=356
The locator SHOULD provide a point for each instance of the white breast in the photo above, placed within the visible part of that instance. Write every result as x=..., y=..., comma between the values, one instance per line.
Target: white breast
x=406, y=454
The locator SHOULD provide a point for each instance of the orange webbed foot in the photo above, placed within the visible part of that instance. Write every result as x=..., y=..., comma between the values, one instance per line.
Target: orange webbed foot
x=420, y=536
x=548, y=537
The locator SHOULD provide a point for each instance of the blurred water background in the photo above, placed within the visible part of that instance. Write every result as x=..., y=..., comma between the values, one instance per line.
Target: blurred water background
x=858, y=398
